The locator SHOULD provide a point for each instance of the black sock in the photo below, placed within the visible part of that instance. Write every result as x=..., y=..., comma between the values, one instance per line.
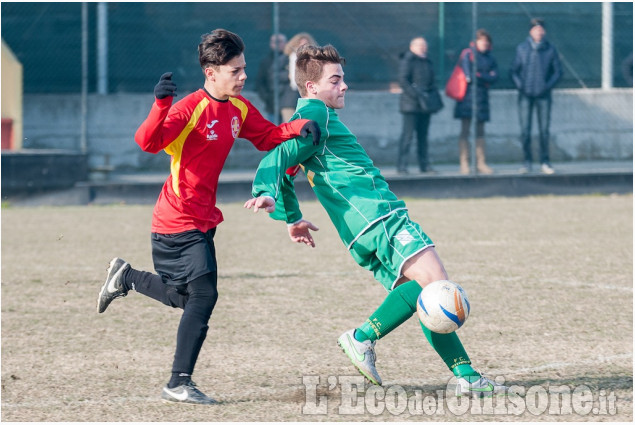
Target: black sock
x=151, y=285
x=194, y=322
x=178, y=378
x=127, y=279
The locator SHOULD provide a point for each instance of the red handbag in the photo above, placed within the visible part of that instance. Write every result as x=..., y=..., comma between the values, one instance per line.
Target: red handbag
x=456, y=86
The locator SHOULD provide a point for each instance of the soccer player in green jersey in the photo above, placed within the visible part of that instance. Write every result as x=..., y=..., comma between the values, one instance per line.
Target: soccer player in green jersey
x=371, y=221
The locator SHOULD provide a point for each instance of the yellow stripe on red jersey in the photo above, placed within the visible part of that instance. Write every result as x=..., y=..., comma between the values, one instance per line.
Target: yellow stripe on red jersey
x=175, y=149
x=198, y=133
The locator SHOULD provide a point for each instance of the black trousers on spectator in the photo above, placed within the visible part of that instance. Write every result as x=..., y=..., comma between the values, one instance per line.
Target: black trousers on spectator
x=414, y=122
x=526, y=106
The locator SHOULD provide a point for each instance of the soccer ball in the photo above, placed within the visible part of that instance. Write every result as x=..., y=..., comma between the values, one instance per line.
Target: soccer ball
x=442, y=306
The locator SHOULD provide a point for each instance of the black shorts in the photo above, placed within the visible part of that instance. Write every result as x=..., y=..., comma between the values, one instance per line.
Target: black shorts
x=182, y=257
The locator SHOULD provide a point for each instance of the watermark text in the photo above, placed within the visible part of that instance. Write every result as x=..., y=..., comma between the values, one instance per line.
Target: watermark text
x=354, y=397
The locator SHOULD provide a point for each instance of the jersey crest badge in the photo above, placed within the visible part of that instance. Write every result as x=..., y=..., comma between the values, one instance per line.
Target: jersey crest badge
x=235, y=127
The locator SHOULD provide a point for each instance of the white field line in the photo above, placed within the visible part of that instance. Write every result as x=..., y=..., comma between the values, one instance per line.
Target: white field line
x=100, y=402
x=574, y=283
x=559, y=365
x=429, y=381
x=591, y=285
x=505, y=372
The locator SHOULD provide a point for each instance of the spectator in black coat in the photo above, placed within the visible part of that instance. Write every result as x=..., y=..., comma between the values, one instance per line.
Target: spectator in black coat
x=535, y=71
x=486, y=74
x=415, y=74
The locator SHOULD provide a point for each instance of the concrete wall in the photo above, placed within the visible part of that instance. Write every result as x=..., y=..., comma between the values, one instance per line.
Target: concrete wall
x=28, y=171
x=586, y=125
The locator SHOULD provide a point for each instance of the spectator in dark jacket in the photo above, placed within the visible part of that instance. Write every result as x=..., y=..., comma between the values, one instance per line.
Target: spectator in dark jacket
x=486, y=74
x=535, y=71
x=415, y=74
x=265, y=78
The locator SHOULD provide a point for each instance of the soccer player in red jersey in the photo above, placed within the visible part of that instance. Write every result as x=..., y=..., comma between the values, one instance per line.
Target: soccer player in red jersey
x=198, y=133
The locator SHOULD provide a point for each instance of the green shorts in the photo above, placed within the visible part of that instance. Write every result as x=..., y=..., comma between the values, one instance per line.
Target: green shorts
x=386, y=245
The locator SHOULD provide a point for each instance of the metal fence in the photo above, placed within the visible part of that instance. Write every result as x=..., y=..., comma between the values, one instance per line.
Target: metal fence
x=131, y=44
x=98, y=51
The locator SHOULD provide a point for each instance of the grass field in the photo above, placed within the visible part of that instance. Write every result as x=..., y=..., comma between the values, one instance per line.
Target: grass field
x=550, y=281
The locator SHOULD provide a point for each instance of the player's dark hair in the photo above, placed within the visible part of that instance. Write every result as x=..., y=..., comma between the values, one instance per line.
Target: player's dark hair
x=311, y=61
x=219, y=47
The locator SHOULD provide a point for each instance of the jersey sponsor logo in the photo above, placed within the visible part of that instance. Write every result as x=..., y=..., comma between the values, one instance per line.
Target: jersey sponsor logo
x=404, y=237
x=212, y=134
x=235, y=126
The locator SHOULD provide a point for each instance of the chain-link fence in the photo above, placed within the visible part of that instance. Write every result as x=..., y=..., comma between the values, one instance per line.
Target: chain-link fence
x=111, y=55
x=145, y=39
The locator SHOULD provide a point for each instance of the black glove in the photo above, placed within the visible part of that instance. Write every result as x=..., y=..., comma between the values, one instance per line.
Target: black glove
x=312, y=128
x=165, y=87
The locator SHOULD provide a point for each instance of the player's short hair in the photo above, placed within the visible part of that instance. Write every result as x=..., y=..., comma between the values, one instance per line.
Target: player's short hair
x=219, y=47
x=311, y=61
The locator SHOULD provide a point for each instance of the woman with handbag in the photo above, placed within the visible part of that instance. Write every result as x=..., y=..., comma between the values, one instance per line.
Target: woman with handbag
x=419, y=100
x=486, y=74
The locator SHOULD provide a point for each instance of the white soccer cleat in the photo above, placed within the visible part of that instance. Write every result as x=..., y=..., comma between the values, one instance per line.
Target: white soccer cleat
x=484, y=387
x=186, y=393
x=362, y=354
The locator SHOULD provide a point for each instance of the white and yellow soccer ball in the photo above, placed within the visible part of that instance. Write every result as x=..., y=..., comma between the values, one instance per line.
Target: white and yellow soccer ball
x=443, y=306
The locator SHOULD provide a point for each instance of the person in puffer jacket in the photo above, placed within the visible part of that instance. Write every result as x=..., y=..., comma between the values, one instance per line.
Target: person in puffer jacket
x=535, y=71
x=486, y=74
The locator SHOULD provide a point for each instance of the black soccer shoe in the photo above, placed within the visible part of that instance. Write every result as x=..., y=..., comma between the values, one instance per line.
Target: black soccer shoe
x=186, y=393
x=113, y=287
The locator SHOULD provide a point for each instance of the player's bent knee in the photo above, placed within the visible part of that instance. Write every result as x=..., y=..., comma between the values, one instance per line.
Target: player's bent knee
x=425, y=267
x=203, y=290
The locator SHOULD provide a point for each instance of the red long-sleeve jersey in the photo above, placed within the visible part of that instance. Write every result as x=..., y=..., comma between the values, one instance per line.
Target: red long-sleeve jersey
x=198, y=133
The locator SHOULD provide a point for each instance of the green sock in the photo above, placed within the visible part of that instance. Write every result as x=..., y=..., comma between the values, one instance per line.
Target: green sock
x=399, y=305
x=449, y=347
x=466, y=371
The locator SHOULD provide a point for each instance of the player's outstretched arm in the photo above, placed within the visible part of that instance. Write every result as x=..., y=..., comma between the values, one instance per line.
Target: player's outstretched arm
x=298, y=232
x=272, y=180
x=265, y=136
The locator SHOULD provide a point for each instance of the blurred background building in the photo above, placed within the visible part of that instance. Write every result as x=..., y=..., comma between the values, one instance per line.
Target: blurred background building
x=89, y=69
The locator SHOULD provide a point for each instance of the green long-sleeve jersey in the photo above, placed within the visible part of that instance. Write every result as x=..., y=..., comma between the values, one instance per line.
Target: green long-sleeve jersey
x=347, y=184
